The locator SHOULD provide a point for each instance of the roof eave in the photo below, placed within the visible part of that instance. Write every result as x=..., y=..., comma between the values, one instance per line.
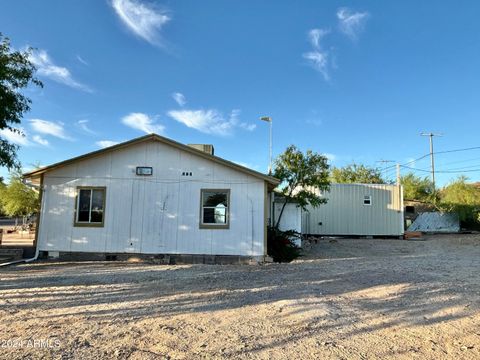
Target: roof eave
x=269, y=179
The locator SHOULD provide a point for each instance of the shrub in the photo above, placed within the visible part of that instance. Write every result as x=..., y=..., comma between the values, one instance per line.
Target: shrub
x=280, y=245
x=463, y=199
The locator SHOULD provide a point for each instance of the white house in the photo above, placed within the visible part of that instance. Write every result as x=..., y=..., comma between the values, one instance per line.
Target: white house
x=152, y=195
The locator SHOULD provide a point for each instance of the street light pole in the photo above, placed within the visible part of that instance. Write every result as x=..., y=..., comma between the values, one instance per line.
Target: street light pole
x=269, y=120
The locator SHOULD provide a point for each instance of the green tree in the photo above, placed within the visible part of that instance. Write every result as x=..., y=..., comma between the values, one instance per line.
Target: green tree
x=358, y=174
x=19, y=199
x=417, y=188
x=301, y=173
x=461, y=198
x=16, y=73
x=2, y=189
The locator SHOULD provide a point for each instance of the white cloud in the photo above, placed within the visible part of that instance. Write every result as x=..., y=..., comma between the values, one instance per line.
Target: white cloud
x=210, y=121
x=330, y=157
x=143, y=20
x=179, y=98
x=314, y=122
x=351, y=23
x=49, y=128
x=315, y=35
x=318, y=58
x=248, y=127
x=319, y=61
x=247, y=165
x=15, y=137
x=39, y=140
x=106, y=143
x=82, y=60
x=142, y=122
x=46, y=67
x=83, y=125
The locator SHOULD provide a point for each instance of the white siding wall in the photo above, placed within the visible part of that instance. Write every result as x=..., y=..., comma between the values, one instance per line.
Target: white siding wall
x=345, y=213
x=152, y=214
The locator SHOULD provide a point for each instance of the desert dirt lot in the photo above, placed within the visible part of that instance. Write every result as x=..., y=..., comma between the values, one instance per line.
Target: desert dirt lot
x=349, y=299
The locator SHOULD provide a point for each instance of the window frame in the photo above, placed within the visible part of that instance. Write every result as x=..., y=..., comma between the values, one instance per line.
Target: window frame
x=203, y=225
x=369, y=198
x=139, y=169
x=77, y=223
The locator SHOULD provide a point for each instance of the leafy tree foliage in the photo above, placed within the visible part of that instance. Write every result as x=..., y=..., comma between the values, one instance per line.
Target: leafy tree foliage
x=417, y=188
x=300, y=173
x=2, y=188
x=16, y=73
x=463, y=199
x=357, y=174
x=280, y=245
x=17, y=199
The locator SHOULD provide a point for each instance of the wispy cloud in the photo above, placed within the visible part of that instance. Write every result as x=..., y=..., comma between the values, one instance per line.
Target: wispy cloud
x=82, y=60
x=142, y=122
x=351, y=23
x=314, y=122
x=17, y=137
x=315, y=35
x=145, y=21
x=106, y=143
x=46, y=68
x=83, y=125
x=210, y=121
x=49, y=128
x=39, y=140
x=330, y=157
x=247, y=165
x=318, y=58
x=179, y=98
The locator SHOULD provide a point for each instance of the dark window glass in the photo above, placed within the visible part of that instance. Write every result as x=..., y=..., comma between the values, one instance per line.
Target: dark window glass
x=90, y=205
x=214, y=198
x=84, y=205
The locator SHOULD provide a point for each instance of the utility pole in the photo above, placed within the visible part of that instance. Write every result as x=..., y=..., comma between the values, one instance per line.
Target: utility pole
x=269, y=120
x=385, y=163
x=432, y=156
x=399, y=178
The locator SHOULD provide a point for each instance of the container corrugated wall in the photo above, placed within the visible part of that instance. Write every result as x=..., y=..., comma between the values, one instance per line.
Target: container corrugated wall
x=346, y=214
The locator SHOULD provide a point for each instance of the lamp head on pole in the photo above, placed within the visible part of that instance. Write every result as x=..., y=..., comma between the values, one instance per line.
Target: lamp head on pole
x=266, y=118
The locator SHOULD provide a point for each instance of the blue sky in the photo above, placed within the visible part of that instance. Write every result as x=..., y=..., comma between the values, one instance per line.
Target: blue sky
x=356, y=80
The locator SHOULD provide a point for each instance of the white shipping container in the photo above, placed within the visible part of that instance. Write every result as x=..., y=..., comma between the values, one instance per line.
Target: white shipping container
x=357, y=210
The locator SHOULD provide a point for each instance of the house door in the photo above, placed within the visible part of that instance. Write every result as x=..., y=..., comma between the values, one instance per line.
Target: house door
x=153, y=217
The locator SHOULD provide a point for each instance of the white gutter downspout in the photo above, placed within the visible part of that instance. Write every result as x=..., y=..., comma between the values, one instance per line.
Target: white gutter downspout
x=37, y=250
x=23, y=260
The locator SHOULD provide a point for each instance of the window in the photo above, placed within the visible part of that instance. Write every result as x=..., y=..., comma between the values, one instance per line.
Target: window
x=144, y=170
x=367, y=200
x=214, y=211
x=90, y=206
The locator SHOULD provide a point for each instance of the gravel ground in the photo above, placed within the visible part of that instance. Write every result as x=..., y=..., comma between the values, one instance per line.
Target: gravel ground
x=347, y=299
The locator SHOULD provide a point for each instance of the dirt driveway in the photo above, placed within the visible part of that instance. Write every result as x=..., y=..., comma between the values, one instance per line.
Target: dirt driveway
x=350, y=299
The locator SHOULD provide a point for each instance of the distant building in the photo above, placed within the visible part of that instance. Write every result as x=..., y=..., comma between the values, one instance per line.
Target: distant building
x=351, y=210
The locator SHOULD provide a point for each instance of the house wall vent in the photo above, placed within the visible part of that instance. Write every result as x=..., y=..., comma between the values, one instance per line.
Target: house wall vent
x=207, y=148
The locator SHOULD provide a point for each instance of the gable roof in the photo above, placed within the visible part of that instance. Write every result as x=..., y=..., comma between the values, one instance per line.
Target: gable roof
x=269, y=179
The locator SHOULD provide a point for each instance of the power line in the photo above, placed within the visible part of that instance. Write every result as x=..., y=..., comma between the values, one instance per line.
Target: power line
x=457, y=150
x=451, y=171
x=436, y=153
